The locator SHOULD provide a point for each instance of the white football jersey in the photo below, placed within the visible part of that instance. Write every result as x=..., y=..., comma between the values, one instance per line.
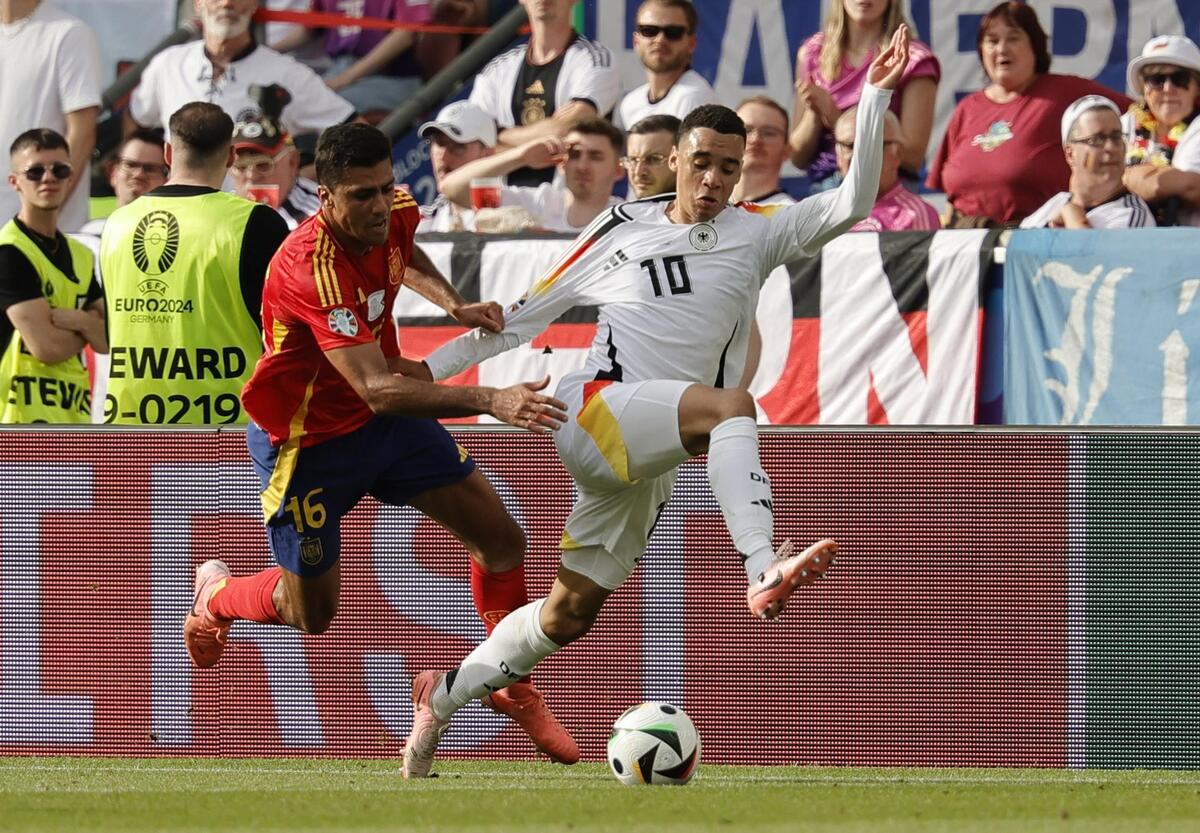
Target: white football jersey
x=676, y=301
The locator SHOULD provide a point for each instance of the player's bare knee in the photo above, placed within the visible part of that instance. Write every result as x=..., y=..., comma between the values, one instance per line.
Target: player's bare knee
x=564, y=625
x=505, y=548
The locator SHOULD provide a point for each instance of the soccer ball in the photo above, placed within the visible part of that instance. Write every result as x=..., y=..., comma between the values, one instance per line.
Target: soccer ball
x=654, y=743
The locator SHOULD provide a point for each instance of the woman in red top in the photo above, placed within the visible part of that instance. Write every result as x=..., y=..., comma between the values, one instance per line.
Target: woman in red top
x=1001, y=157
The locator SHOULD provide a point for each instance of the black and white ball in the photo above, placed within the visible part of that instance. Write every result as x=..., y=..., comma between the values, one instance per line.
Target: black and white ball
x=654, y=743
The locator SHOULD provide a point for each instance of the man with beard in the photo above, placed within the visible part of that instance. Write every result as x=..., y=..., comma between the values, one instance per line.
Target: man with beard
x=221, y=68
x=664, y=38
x=647, y=148
x=460, y=134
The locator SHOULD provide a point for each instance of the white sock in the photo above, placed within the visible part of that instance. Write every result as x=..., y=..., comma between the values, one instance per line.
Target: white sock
x=516, y=645
x=743, y=490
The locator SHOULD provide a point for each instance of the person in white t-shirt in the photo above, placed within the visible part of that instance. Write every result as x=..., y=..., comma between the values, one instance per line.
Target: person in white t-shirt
x=676, y=278
x=766, y=151
x=589, y=157
x=664, y=38
x=648, y=146
x=540, y=88
x=1094, y=144
x=221, y=68
x=460, y=134
x=50, y=77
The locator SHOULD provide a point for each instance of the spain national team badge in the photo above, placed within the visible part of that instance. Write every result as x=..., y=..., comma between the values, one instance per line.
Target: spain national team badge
x=343, y=322
x=395, y=267
x=311, y=551
x=702, y=237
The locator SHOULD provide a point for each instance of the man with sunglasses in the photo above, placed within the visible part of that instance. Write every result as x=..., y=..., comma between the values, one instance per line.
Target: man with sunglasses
x=539, y=89
x=664, y=38
x=266, y=168
x=183, y=268
x=52, y=302
x=1094, y=145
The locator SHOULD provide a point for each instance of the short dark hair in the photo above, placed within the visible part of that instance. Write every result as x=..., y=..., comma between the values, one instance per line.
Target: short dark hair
x=767, y=101
x=345, y=146
x=658, y=123
x=201, y=131
x=716, y=117
x=149, y=135
x=596, y=126
x=1022, y=17
x=39, y=138
x=689, y=11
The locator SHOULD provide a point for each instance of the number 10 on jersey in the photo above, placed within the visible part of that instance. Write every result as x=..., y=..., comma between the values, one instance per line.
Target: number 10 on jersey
x=675, y=269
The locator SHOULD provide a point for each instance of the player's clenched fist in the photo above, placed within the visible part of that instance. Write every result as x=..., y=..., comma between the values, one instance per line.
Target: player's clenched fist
x=521, y=405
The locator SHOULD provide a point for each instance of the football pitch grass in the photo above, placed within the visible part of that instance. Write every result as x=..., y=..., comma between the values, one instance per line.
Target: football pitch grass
x=305, y=794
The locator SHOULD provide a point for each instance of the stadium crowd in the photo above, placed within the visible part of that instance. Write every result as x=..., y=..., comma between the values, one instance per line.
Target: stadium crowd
x=546, y=140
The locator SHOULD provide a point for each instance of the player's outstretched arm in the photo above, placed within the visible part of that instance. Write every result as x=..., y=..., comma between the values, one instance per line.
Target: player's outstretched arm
x=424, y=278
x=804, y=228
x=367, y=371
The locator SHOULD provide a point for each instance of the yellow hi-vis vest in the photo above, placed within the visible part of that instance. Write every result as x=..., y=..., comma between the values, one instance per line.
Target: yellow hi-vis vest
x=30, y=390
x=181, y=342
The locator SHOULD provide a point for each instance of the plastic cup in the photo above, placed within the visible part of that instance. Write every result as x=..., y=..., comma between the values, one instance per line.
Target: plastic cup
x=485, y=192
x=265, y=194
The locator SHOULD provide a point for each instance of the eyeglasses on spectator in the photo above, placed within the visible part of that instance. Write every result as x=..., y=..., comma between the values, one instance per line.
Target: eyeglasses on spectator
x=148, y=168
x=36, y=173
x=1099, y=140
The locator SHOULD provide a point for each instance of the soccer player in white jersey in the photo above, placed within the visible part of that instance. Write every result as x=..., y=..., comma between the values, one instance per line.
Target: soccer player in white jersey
x=676, y=278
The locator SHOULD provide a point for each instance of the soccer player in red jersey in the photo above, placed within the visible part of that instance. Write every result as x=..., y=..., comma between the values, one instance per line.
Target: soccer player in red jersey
x=334, y=417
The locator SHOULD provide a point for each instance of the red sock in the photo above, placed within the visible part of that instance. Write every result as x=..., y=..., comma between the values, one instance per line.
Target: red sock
x=248, y=597
x=497, y=594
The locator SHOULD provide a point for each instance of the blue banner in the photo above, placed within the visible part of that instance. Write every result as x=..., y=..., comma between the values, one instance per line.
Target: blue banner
x=1099, y=327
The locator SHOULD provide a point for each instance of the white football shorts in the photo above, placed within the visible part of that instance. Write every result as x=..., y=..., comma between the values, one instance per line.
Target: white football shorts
x=621, y=445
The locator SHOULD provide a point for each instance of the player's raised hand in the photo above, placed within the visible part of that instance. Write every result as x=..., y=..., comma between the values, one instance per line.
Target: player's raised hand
x=521, y=405
x=487, y=315
x=888, y=66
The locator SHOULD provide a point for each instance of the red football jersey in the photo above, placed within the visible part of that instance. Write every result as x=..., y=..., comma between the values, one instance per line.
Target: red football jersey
x=317, y=297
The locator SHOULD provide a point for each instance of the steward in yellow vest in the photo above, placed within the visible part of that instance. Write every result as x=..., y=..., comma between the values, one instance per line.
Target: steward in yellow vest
x=51, y=304
x=183, y=270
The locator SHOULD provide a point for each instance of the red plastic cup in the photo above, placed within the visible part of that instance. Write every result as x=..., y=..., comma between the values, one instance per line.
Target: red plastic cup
x=265, y=194
x=485, y=192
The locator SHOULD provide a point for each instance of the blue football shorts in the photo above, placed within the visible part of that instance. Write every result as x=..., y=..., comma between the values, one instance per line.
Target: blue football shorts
x=306, y=491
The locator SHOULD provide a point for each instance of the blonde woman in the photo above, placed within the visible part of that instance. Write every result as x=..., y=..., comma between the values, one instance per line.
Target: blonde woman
x=831, y=67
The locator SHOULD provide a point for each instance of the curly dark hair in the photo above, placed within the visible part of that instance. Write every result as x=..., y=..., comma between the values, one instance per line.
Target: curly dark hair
x=345, y=146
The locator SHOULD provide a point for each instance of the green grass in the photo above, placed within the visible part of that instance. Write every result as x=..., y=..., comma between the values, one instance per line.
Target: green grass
x=297, y=795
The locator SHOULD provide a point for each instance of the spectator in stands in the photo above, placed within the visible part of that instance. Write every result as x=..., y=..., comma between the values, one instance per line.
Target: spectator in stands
x=277, y=33
x=1163, y=131
x=461, y=133
x=50, y=70
x=436, y=50
x=766, y=151
x=540, y=88
x=53, y=306
x=222, y=68
x=138, y=166
x=664, y=38
x=1000, y=157
x=372, y=69
x=590, y=160
x=831, y=68
x=184, y=266
x=648, y=148
x=1094, y=145
x=264, y=155
x=896, y=208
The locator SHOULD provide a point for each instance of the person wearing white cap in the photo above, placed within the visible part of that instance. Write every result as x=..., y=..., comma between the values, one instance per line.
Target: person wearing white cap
x=461, y=133
x=1162, y=130
x=1094, y=145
